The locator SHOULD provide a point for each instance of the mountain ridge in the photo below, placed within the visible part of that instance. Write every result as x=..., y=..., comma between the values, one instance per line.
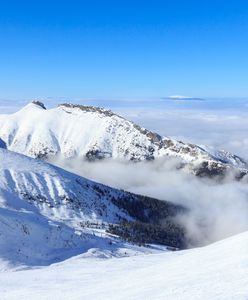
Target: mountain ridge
x=48, y=214
x=92, y=133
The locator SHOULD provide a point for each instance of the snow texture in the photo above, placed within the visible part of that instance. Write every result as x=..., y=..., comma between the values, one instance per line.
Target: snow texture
x=48, y=214
x=218, y=271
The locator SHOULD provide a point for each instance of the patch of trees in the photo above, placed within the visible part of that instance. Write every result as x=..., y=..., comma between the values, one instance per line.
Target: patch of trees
x=146, y=233
x=153, y=221
x=146, y=209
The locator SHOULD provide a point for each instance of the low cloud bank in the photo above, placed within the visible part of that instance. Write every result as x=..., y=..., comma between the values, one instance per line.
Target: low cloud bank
x=216, y=210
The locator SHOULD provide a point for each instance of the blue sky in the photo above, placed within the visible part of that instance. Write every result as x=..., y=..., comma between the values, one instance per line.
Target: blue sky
x=102, y=49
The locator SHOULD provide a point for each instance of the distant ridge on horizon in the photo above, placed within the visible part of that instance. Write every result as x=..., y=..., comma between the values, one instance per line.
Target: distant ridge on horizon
x=182, y=98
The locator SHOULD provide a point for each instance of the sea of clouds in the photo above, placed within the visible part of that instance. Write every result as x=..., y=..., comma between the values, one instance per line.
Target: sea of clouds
x=217, y=210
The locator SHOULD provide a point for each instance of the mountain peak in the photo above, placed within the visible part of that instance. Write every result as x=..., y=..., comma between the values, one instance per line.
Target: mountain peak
x=38, y=103
x=89, y=132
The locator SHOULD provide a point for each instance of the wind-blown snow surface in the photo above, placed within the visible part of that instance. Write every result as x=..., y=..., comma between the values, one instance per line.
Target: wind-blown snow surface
x=90, y=132
x=218, y=271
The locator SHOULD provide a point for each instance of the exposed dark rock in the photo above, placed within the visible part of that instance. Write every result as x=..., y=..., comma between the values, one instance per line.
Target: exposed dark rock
x=88, y=108
x=211, y=169
x=96, y=154
x=36, y=102
x=154, y=137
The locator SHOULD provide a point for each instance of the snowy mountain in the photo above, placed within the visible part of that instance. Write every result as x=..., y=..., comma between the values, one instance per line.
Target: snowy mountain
x=217, y=271
x=48, y=214
x=55, y=226
x=95, y=133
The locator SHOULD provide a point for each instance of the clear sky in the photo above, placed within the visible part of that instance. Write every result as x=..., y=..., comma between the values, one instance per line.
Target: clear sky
x=123, y=48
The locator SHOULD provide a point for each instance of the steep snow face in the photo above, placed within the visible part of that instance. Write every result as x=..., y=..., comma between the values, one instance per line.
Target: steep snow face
x=42, y=209
x=54, y=192
x=215, y=272
x=95, y=133
x=48, y=214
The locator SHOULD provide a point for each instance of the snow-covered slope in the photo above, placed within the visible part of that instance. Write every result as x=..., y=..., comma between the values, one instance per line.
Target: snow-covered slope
x=90, y=132
x=48, y=214
x=218, y=271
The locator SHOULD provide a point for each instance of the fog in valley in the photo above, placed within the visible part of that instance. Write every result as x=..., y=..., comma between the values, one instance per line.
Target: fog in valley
x=216, y=209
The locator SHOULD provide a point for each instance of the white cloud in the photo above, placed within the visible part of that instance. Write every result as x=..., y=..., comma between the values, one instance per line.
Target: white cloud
x=217, y=210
